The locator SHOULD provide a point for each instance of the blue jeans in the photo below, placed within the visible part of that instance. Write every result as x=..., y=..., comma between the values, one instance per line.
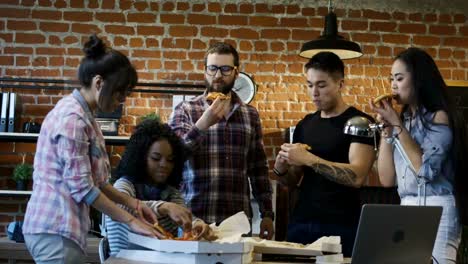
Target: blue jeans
x=309, y=232
x=449, y=232
x=54, y=249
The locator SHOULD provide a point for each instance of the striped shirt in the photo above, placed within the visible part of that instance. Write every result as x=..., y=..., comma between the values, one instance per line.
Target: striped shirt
x=117, y=233
x=70, y=163
x=224, y=159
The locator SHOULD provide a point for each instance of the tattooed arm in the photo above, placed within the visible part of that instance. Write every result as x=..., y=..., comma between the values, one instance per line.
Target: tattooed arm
x=361, y=158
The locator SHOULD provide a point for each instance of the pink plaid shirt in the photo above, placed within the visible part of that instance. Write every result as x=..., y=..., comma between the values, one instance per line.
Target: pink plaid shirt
x=70, y=162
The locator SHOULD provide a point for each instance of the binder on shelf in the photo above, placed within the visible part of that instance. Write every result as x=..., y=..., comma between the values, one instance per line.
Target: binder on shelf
x=4, y=113
x=12, y=112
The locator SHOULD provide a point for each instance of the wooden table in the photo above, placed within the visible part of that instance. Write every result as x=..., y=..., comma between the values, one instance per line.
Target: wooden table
x=13, y=252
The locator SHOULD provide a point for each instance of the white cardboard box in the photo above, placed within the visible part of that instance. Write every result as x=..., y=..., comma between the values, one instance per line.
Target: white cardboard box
x=186, y=252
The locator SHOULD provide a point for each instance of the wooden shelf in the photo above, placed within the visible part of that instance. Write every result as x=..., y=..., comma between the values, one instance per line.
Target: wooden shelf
x=32, y=138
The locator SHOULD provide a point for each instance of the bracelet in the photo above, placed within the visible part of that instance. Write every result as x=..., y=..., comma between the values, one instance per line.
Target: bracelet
x=279, y=174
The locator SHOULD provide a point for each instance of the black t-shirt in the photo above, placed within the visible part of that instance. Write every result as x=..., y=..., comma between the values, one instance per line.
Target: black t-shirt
x=320, y=199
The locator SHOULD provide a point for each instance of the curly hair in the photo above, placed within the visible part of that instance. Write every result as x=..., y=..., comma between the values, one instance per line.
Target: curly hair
x=133, y=163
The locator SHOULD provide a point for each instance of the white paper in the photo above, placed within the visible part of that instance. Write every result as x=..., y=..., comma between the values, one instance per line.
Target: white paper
x=232, y=228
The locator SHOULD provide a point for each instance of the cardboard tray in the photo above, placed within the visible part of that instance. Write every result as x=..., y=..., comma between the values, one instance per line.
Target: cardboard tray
x=174, y=246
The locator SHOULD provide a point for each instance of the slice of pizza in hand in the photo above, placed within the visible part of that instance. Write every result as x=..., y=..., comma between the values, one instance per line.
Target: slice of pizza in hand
x=383, y=97
x=213, y=95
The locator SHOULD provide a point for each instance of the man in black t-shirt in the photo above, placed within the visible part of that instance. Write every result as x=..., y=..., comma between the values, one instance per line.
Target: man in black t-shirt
x=333, y=166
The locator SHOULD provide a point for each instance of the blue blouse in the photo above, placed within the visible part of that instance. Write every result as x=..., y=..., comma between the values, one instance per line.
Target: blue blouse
x=435, y=141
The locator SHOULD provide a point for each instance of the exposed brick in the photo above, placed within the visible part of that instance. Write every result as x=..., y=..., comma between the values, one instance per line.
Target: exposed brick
x=60, y=4
x=354, y=13
x=430, y=17
x=366, y=37
x=246, y=8
x=397, y=39
x=308, y=11
x=110, y=17
x=77, y=4
x=172, y=18
x=384, y=51
x=183, y=31
x=140, y=6
x=78, y=16
x=46, y=3
x=182, y=6
x=214, y=7
x=354, y=25
x=19, y=25
x=232, y=20
x=261, y=46
x=459, y=54
x=108, y=4
x=375, y=15
x=46, y=14
x=22, y=61
x=120, y=30
x=201, y=19
x=146, y=53
x=55, y=40
x=154, y=6
x=230, y=8
x=70, y=40
x=459, y=18
x=39, y=61
x=50, y=51
x=29, y=38
x=7, y=60
x=54, y=27
x=292, y=9
x=263, y=21
x=415, y=17
x=278, y=9
x=426, y=40
x=244, y=33
x=70, y=62
x=412, y=28
x=299, y=34
x=277, y=46
x=37, y=110
x=85, y=28
x=120, y=41
x=445, y=18
x=18, y=50
x=214, y=32
x=93, y=4
x=8, y=37
x=456, y=42
x=141, y=18
x=14, y=12
x=383, y=26
x=262, y=8
x=464, y=30
x=399, y=15
x=198, y=44
x=275, y=34
x=442, y=30
x=136, y=42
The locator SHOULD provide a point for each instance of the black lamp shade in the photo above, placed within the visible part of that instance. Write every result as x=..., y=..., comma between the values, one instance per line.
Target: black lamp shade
x=332, y=42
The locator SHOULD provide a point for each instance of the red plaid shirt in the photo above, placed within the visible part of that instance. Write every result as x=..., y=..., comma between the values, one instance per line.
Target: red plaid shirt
x=224, y=158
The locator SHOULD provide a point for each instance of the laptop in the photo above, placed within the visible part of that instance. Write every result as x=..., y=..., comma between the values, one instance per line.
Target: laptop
x=396, y=234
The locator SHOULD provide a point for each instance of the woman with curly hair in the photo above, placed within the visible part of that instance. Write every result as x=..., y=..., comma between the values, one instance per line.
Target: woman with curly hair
x=151, y=170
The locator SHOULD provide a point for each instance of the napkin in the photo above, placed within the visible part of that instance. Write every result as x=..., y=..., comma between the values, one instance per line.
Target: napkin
x=232, y=228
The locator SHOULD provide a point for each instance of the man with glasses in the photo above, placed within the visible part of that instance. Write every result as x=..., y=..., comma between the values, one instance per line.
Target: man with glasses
x=224, y=137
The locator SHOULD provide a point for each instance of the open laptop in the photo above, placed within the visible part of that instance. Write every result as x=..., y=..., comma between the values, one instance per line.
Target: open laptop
x=396, y=234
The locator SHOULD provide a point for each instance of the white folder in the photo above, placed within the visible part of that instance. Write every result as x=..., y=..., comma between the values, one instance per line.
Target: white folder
x=12, y=112
x=4, y=112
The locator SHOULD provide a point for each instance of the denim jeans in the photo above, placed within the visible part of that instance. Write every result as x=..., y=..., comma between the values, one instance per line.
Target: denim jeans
x=449, y=232
x=309, y=232
x=54, y=249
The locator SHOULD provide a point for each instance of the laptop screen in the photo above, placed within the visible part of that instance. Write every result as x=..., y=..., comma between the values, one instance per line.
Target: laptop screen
x=391, y=234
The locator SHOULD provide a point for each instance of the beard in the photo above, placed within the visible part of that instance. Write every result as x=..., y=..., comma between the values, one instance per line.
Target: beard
x=223, y=87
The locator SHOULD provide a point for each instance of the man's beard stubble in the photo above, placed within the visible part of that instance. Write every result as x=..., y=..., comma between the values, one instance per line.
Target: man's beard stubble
x=225, y=89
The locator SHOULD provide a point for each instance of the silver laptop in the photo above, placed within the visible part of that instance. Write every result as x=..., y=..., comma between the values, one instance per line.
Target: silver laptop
x=396, y=234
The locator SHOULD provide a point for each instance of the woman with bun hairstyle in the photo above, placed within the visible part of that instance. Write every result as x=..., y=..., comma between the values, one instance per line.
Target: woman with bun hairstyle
x=434, y=139
x=71, y=166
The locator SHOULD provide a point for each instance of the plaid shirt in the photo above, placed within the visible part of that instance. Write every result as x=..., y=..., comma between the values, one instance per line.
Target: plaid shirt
x=224, y=158
x=70, y=161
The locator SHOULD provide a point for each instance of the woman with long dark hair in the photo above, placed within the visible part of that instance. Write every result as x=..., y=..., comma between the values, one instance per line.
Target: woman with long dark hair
x=151, y=171
x=434, y=139
x=71, y=166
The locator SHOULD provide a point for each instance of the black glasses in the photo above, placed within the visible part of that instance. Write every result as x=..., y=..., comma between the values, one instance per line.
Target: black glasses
x=226, y=70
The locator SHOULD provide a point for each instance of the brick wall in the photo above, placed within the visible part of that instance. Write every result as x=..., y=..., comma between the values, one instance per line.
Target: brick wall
x=167, y=40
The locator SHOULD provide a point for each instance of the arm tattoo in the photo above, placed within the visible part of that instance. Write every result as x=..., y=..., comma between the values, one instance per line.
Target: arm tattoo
x=339, y=175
